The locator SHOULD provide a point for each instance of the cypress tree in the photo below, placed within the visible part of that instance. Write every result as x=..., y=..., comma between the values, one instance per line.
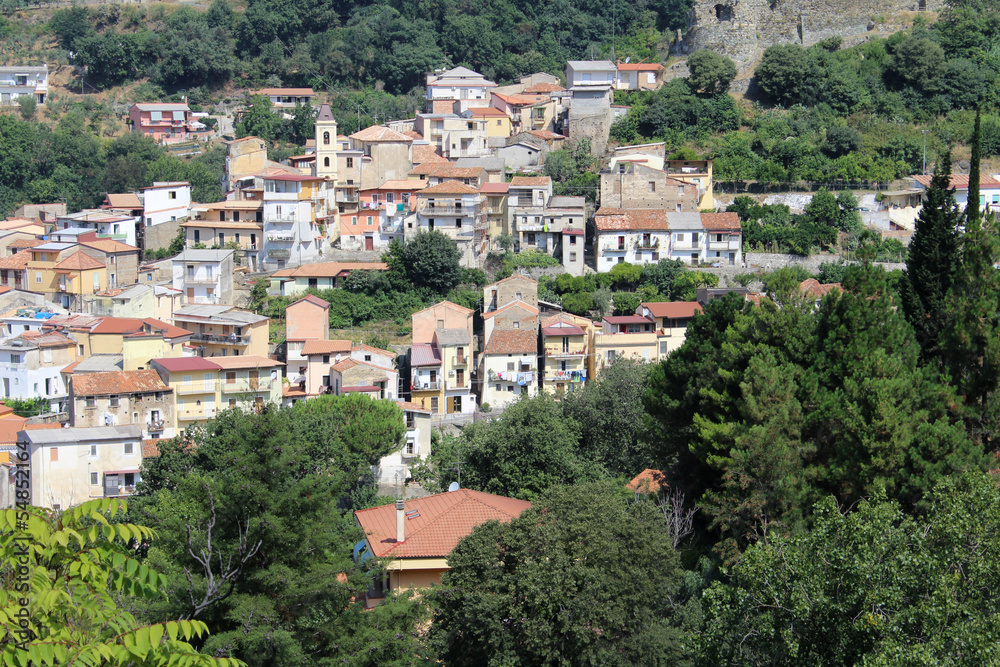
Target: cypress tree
x=932, y=261
x=972, y=338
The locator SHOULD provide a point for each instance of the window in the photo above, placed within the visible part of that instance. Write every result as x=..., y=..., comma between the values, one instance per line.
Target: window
x=38, y=277
x=621, y=242
x=572, y=257
x=54, y=454
x=517, y=325
x=510, y=365
x=172, y=194
x=354, y=219
x=694, y=238
x=129, y=447
x=326, y=358
x=230, y=377
x=440, y=324
x=113, y=402
x=565, y=346
x=15, y=358
x=498, y=122
x=350, y=164
x=680, y=190
x=434, y=404
x=369, y=221
x=678, y=208
x=326, y=162
x=652, y=186
x=326, y=138
x=232, y=402
x=93, y=450
x=81, y=350
x=93, y=479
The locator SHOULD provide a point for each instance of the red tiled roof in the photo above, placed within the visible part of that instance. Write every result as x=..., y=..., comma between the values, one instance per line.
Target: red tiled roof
x=512, y=341
x=326, y=347
x=531, y=180
x=379, y=133
x=449, y=170
x=361, y=389
x=517, y=303
x=413, y=407
x=626, y=319
x=427, y=154
x=17, y=261
x=545, y=134
x=439, y=522
x=117, y=382
x=332, y=269
x=422, y=354
x=959, y=181
x=495, y=188
x=648, y=481
x=150, y=448
x=128, y=200
x=449, y=187
x=109, y=246
x=640, y=67
x=542, y=88
x=672, y=309
x=117, y=325
x=814, y=289
x=79, y=261
x=181, y=364
x=24, y=243
x=42, y=427
x=376, y=350
x=313, y=299
x=616, y=219
x=168, y=330
x=287, y=92
x=728, y=221
x=47, y=338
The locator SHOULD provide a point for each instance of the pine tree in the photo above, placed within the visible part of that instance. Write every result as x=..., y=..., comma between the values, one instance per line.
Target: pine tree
x=932, y=261
x=972, y=338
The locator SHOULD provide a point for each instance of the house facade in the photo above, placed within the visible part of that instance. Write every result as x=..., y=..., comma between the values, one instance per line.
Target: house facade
x=163, y=123
x=24, y=81
x=567, y=343
x=31, y=365
x=224, y=331
x=509, y=366
x=458, y=211
x=122, y=398
x=204, y=276
x=459, y=85
x=70, y=466
x=291, y=232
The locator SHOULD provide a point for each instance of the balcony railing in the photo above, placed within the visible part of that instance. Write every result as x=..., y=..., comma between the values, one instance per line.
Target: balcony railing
x=346, y=198
x=457, y=384
x=613, y=247
x=426, y=385
x=245, y=385
x=445, y=209
x=195, y=388
x=230, y=339
x=281, y=236
x=459, y=360
x=722, y=245
x=156, y=425
x=647, y=244
x=194, y=415
x=114, y=492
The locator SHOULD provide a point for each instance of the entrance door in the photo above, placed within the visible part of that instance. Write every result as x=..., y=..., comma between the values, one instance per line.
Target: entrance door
x=369, y=243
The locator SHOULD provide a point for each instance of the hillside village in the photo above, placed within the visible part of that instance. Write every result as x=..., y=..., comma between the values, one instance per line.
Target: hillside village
x=137, y=331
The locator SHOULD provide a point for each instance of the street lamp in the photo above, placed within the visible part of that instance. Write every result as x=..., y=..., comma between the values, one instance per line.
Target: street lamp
x=925, y=152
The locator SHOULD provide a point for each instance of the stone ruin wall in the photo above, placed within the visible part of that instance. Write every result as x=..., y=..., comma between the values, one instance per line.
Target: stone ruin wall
x=742, y=29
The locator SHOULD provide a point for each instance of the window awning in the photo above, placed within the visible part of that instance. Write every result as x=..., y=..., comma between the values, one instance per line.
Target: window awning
x=121, y=472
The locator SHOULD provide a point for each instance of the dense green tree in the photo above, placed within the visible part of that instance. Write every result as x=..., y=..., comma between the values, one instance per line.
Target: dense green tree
x=932, y=262
x=583, y=577
x=610, y=414
x=533, y=447
x=710, y=72
x=431, y=260
x=265, y=491
x=259, y=120
x=872, y=586
x=788, y=75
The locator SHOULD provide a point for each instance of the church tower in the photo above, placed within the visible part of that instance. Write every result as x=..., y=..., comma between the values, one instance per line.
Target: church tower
x=326, y=144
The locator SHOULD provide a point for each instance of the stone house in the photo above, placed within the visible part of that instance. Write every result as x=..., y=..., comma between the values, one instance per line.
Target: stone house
x=120, y=398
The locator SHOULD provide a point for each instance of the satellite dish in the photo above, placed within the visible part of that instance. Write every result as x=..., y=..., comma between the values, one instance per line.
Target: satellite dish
x=337, y=358
x=453, y=487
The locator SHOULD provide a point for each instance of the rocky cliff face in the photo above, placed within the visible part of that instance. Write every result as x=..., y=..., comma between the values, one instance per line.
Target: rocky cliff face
x=742, y=29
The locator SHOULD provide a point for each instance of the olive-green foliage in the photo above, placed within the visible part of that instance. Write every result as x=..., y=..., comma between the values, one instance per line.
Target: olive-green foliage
x=583, y=577
x=872, y=585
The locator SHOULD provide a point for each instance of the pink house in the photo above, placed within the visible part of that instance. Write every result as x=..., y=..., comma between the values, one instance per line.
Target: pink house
x=164, y=123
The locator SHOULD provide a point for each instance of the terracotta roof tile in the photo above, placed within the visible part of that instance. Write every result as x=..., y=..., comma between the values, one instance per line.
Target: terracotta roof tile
x=640, y=67
x=727, y=221
x=168, y=330
x=814, y=289
x=117, y=325
x=512, y=341
x=377, y=133
x=672, y=309
x=326, y=347
x=334, y=269
x=542, y=88
x=245, y=361
x=614, y=219
x=24, y=243
x=128, y=200
x=427, y=154
x=79, y=261
x=182, y=364
x=17, y=261
x=960, y=181
x=109, y=246
x=117, y=382
x=449, y=170
x=439, y=523
x=531, y=180
x=150, y=448
x=449, y=188
x=313, y=299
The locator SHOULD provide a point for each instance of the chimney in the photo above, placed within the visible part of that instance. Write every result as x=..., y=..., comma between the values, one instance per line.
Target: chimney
x=400, y=521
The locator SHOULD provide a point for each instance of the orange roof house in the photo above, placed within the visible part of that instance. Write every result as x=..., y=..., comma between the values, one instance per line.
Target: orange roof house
x=418, y=534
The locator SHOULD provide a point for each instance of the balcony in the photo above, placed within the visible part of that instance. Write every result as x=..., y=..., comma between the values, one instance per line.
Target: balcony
x=156, y=425
x=457, y=384
x=346, y=198
x=686, y=245
x=426, y=385
x=283, y=237
x=194, y=388
x=415, y=453
x=445, y=209
x=722, y=245
x=224, y=339
x=613, y=247
x=279, y=253
x=411, y=423
x=647, y=244
x=246, y=385
x=195, y=415
x=560, y=353
x=282, y=219
x=116, y=491
x=460, y=360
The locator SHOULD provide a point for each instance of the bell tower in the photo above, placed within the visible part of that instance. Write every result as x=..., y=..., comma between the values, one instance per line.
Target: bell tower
x=326, y=144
